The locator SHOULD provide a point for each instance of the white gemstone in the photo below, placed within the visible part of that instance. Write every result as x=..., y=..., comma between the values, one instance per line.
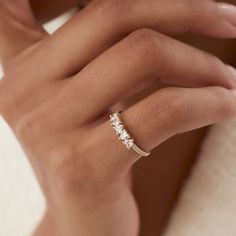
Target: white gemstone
x=114, y=119
x=124, y=135
x=129, y=143
x=118, y=127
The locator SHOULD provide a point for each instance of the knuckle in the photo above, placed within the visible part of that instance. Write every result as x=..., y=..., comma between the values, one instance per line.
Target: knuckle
x=76, y=168
x=28, y=129
x=70, y=165
x=144, y=44
x=63, y=157
x=63, y=161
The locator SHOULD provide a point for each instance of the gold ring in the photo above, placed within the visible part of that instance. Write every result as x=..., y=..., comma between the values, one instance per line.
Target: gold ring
x=124, y=136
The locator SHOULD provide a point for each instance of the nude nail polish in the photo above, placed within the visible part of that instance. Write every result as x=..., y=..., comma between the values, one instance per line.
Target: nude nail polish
x=232, y=71
x=233, y=74
x=233, y=91
x=229, y=12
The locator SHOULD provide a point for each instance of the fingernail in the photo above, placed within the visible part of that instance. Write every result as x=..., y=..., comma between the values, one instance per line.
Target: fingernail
x=229, y=12
x=232, y=71
x=233, y=91
x=233, y=74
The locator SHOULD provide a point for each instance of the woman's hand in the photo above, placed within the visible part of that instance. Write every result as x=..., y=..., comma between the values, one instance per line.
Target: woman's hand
x=58, y=90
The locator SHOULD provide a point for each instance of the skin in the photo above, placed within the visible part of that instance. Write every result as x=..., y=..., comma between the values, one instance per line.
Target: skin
x=172, y=162
x=82, y=168
x=47, y=10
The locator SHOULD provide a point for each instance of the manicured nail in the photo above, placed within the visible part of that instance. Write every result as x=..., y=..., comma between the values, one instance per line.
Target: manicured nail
x=229, y=12
x=232, y=71
x=233, y=91
x=233, y=74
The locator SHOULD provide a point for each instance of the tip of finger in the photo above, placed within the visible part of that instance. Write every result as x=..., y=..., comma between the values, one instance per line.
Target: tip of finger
x=232, y=73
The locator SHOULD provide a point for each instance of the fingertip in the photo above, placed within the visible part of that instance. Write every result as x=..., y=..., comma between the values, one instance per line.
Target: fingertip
x=232, y=72
x=228, y=11
x=233, y=91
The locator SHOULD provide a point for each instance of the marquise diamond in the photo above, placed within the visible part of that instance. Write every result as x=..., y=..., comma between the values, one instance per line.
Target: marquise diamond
x=119, y=128
x=121, y=131
x=129, y=143
x=124, y=135
x=114, y=119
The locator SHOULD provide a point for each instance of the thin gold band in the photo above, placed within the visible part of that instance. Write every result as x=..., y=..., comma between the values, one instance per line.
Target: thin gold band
x=124, y=136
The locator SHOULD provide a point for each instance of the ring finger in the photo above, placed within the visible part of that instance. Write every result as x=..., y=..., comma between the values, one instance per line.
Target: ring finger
x=160, y=116
x=133, y=64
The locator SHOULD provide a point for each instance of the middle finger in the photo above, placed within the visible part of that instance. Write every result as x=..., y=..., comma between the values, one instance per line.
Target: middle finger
x=137, y=61
x=105, y=22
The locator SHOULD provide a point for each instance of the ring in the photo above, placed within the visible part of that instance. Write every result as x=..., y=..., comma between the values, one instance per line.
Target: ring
x=123, y=134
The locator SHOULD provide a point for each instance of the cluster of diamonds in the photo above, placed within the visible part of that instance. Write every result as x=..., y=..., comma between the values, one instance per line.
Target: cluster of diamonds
x=121, y=132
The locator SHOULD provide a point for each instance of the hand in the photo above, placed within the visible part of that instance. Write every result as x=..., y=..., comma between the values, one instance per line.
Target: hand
x=58, y=90
x=18, y=21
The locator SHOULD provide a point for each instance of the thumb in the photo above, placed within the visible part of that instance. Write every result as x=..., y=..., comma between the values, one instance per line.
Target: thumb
x=18, y=28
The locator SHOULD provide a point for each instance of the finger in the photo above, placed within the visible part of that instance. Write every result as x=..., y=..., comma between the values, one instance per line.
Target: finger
x=13, y=94
x=18, y=28
x=104, y=22
x=136, y=62
x=47, y=10
x=160, y=116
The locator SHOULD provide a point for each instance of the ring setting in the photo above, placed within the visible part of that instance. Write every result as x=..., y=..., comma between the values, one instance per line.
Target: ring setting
x=123, y=134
